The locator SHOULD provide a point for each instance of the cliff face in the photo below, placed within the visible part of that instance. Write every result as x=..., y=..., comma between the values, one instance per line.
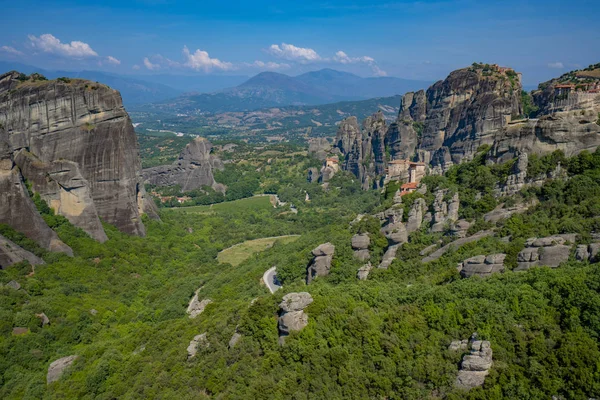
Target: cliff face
x=472, y=107
x=192, y=170
x=73, y=141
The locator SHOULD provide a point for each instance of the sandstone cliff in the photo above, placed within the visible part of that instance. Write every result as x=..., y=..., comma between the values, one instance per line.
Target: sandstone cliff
x=192, y=170
x=74, y=143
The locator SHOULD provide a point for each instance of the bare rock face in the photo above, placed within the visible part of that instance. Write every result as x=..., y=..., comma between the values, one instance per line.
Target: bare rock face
x=77, y=134
x=516, y=180
x=292, y=317
x=444, y=212
x=319, y=148
x=360, y=244
x=482, y=266
x=475, y=366
x=234, y=340
x=550, y=251
x=415, y=216
x=198, y=340
x=585, y=252
x=192, y=170
x=10, y=254
x=321, y=262
x=196, y=306
x=312, y=175
x=363, y=272
x=57, y=368
x=460, y=228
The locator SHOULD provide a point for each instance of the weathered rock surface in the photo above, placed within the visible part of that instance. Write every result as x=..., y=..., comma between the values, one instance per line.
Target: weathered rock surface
x=57, y=368
x=457, y=345
x=445, y=212
x=500, y=213
x=415, y=216
x=460, y=228
x=550, y=251
x=360, y=244
x=192, y=170
x=14, y=285
x=319, y=148
x=363, y=272
x=196, y=306
x=475, y=366
x=10, y=254
x=77, y=135
x=482, y=266
x=516, y=180
x=321, y=262
x=587, y=252
x=234, y=340
x=312, y=175
x=43, y=319
x=292, y=317
x=198, y=340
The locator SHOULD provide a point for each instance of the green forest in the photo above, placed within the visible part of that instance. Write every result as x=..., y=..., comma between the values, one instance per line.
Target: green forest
x=121, y=305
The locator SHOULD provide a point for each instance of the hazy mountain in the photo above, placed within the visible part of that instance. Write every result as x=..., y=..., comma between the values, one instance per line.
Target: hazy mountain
x=195, y=83
x=271, y=89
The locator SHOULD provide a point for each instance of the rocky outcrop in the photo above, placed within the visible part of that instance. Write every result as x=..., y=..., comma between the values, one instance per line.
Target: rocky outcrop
x=500, y=213
x=571, y=132
x=482, y=266
x=319, y=148
x=516, y=180
x=588, y=252
x=550, y=251
x=475, y=366
x=74, y=142
x=196, y=306
x=292, y=317
x=312, y=175
x=234, y=340
x=58, y=367
x=460, y=228
x=198, y=340
x=321, y=262
x=360, y=244
x=363, y=272
x=444, y=212
x=192, y=170
x=415, y=216
x=474, y=106
x=10, y=254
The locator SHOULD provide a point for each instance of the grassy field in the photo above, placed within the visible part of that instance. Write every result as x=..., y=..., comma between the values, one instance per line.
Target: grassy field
x=235, y=255
x=251, y=203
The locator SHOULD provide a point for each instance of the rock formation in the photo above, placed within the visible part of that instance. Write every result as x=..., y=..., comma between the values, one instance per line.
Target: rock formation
x=73, y=141
x=192, y=170
x=475, y=366
x=482, y=266
x=198, y=340
x=11, y=254
x=196, y=306
x=321, y=262
x=363, y=272
x=444, y=212
x=447, y=124
x=234, y=340
x=415, y=216
x=516, y=180
x=57, y=368
x=550, y=251
x=292, y=317
x=319, y=148
x=588, y=252
x=360, y=244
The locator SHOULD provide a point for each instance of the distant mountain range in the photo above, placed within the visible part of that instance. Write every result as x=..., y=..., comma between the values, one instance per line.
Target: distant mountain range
x=271, y=89
x=227, y=93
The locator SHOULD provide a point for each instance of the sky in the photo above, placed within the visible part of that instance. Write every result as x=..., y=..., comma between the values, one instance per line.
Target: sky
x=422, y=40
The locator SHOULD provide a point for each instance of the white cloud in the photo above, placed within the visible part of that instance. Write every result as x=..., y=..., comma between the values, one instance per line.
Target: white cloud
x=50, y=44
x=200, y=60
x=112, y=60
x=557, y=65
x=150, y=66
x=136, y=67
x=267, y=65
x=293, y=53
x=11, y=50
x=344, y=58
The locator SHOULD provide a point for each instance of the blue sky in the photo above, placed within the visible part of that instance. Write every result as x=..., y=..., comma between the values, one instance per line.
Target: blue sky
x=409, y=39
